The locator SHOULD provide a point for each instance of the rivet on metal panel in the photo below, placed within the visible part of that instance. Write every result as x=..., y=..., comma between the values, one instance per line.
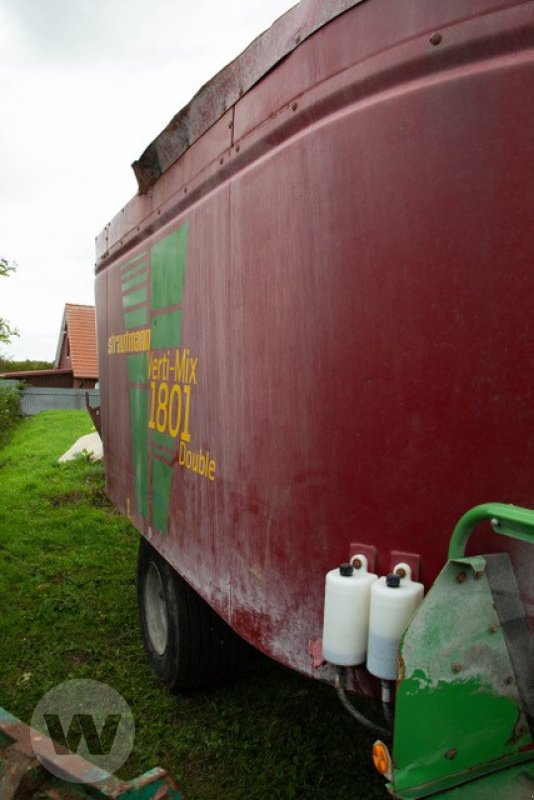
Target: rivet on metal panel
x=294, y=106
x=436, y=39
x=452, y=753
x=461, y=577
x=456, y=667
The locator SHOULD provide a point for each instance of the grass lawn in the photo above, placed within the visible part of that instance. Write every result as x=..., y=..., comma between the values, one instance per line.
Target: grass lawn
x=68, y=610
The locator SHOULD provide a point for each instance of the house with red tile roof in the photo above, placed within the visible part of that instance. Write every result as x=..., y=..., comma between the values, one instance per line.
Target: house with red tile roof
x=76, y=349
x=75, y=365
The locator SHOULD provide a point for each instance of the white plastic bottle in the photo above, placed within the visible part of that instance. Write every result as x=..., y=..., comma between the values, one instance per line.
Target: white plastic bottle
x=346, y=613
x=393, y=601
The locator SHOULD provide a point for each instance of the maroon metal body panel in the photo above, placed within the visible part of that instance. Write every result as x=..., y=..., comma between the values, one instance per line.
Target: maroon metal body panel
x=358, y=293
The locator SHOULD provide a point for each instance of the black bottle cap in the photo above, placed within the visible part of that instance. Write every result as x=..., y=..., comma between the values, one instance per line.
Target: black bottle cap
x=346, y=570
x=393, y=581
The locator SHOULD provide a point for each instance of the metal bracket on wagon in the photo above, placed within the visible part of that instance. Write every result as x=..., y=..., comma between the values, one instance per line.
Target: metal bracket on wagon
x=508, y=520
x=24, y=777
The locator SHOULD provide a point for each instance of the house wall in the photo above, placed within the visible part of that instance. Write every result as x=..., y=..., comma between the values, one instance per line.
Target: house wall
x=64, y=356
x=84, y=383
x=57, y=381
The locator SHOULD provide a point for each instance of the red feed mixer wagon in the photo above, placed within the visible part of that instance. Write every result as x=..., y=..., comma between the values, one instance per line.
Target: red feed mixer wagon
x=315, y=331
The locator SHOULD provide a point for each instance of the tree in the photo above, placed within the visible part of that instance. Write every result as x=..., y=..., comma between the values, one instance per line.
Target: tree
x=6, y=331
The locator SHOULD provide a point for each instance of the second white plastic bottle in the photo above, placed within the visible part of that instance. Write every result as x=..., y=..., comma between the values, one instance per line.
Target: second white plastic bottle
x=393, y=601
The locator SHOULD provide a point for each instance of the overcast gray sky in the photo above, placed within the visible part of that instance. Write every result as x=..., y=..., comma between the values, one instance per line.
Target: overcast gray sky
x=85, y=85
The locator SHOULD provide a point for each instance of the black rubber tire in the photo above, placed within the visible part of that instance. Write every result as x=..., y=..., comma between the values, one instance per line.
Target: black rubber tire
x=199, y=648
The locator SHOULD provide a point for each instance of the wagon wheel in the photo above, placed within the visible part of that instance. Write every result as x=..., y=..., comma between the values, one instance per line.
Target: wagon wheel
x=188, y=644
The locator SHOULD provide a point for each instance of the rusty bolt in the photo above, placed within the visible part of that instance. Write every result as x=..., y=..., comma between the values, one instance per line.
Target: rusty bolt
x=294, y=106
x=237, y=148
x=493, y=628
x=456, y=667
x=452, y=753
x=401, y=572
x=357, y=563
x=436, y=39
x=461, y=577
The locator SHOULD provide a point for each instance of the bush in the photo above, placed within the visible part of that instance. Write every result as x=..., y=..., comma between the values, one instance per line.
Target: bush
x=9, y=410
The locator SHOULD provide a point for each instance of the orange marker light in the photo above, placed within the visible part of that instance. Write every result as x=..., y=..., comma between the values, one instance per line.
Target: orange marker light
x=382, y=759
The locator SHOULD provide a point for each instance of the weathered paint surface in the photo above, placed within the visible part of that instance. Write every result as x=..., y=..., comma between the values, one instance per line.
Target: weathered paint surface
x=350, y=314
x=459, y=709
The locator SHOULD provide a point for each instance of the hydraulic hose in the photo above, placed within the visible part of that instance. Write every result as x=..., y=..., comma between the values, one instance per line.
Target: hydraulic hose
x=340, y=688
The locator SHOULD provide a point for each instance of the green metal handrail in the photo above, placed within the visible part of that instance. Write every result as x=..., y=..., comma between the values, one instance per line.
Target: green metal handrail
x=505, y=519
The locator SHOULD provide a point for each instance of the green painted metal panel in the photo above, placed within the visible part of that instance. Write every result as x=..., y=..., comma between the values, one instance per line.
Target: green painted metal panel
x=161, y=486
x=167, y=261
x=135, y=319
x=166, y=330
x=135, y=281
x=458, y=710
x=152, y=454
x=133, y=264
x=163, y=440
x=139, y=428
x=138, y=368
x=141, y=268
x=134, y=298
